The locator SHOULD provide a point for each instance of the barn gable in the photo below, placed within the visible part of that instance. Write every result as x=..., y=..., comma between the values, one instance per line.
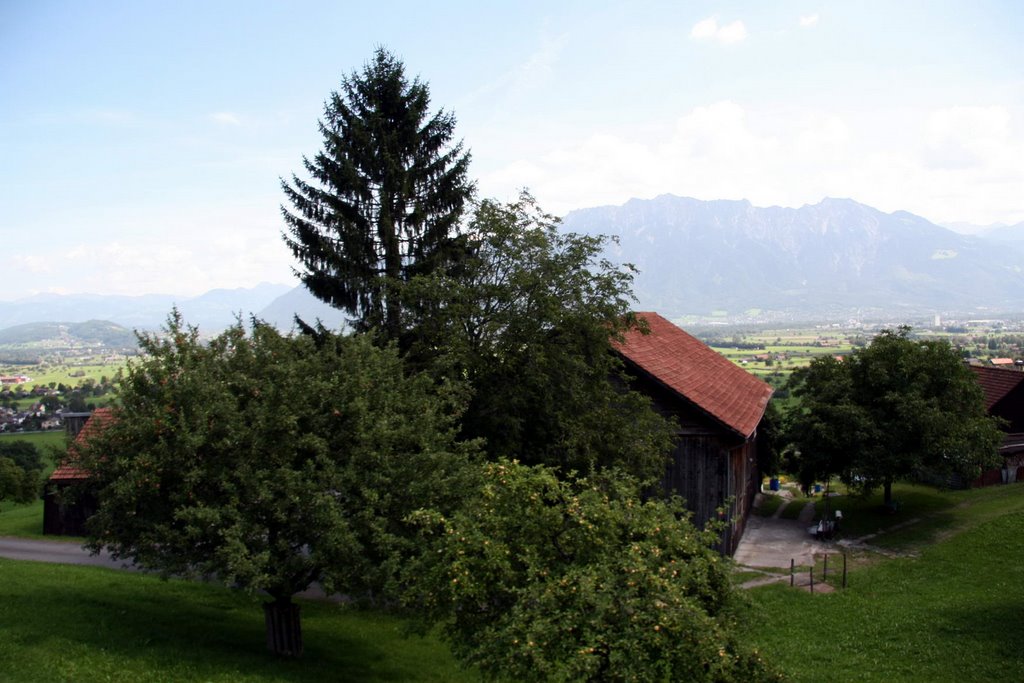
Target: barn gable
x=61, y=517
x=717, y=407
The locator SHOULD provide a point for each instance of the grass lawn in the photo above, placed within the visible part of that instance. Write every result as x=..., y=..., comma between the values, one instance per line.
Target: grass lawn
x=42, y=440
x=25, y=521
x=769, y=504
x=953, y=613
x=66, y=623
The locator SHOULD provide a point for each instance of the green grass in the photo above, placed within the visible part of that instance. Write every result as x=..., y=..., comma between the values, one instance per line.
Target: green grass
x=769, y=504
x=68, y=374
x=954, y=613
x=795, y=507
x=66, y=623
x=42, y=440
x=24, y=521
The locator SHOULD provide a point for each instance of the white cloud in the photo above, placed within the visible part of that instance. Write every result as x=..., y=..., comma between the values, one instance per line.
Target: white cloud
x=967, y=136
x=727, y=34
x=226, y=118
x=790, y=156
x=809, y=20
x=180, y=251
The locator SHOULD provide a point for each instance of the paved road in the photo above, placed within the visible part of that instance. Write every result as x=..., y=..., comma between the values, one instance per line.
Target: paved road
x=62, y=552
x=69, y=552
x=773, y=542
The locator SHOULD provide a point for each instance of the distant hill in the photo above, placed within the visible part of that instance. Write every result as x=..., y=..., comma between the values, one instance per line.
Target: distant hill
x=1012, y=235
x=211, y=311
x=93, y=332
x=696, y=257
x=281, y=311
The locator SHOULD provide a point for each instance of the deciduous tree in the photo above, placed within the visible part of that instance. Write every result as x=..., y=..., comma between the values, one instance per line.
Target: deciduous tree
x=889, y=411
x=271, y=463
x=527, y=320
x=384, y=197
x=20, y=471
x=549, y=579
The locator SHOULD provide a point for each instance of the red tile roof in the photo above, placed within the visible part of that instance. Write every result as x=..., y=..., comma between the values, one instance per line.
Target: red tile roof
x=68, y=469
x=694, y=371
x=996, y=382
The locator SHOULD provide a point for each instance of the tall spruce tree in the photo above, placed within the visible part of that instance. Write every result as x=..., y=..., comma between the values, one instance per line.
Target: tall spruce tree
x=385, y=194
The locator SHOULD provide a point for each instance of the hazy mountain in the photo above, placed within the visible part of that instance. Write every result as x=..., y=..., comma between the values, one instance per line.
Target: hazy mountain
x=211, y=311
x=694, y=257
x=1012, y=235
x=281, y=311
x=698, y=257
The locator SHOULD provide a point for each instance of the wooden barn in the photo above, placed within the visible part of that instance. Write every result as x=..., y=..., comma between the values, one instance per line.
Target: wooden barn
x=62, y=517
x=1004, y=397
x=718, y=407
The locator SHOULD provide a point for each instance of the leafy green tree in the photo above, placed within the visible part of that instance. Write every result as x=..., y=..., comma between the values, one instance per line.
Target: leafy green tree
x=20, y=471
x=548, y=579
x=889, y=411
x=271, y=463
x=384, y=197
x=527, y=320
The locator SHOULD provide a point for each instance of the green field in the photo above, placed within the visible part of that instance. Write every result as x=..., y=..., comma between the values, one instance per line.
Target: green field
x=70, y=374
x=42, y=440
x=952, y=610
x=83, y=624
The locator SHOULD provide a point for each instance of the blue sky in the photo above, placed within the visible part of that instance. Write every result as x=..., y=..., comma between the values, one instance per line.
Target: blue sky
x=141, y=142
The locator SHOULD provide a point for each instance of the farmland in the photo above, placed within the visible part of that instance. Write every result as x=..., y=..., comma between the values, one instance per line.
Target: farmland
x=774, y=354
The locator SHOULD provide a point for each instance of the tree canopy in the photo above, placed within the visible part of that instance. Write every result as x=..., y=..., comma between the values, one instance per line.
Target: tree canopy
x=20, y=471
x=270, y=462
x=895, y=409
x=527, y=321
x=384, y=197
x=545, y=578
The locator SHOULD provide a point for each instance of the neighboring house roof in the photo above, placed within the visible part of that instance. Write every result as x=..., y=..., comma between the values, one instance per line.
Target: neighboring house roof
x=697, y=373
x=1001, y=361
x=68, y=470
x=996, y=383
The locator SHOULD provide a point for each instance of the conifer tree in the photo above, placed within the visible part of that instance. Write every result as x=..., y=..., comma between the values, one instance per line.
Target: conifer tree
x=384, y=196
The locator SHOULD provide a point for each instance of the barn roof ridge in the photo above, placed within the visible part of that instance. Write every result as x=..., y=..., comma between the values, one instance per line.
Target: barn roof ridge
x=697, y=373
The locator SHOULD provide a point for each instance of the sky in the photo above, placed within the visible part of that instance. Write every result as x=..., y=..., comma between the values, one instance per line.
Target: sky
x=142, y=143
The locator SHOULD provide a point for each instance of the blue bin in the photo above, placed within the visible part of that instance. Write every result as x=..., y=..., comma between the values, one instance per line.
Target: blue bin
x=773, y=484
x=817, y=488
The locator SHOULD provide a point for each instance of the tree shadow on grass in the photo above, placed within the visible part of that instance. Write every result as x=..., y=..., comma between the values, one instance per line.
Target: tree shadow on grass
x=177, y=630
x=987, y=638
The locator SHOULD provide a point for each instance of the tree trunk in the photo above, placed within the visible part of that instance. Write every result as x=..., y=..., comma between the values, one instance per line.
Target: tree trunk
x=284, y=628
x=887, y=498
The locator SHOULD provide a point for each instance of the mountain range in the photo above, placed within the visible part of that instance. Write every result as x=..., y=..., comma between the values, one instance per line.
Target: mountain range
x=699, y=258
x=832, y=258
x=211, y=312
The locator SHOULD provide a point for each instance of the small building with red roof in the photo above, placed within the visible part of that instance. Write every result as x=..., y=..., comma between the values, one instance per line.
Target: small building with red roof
x=62, y=516
x=718, y=408
x=1004, y=397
